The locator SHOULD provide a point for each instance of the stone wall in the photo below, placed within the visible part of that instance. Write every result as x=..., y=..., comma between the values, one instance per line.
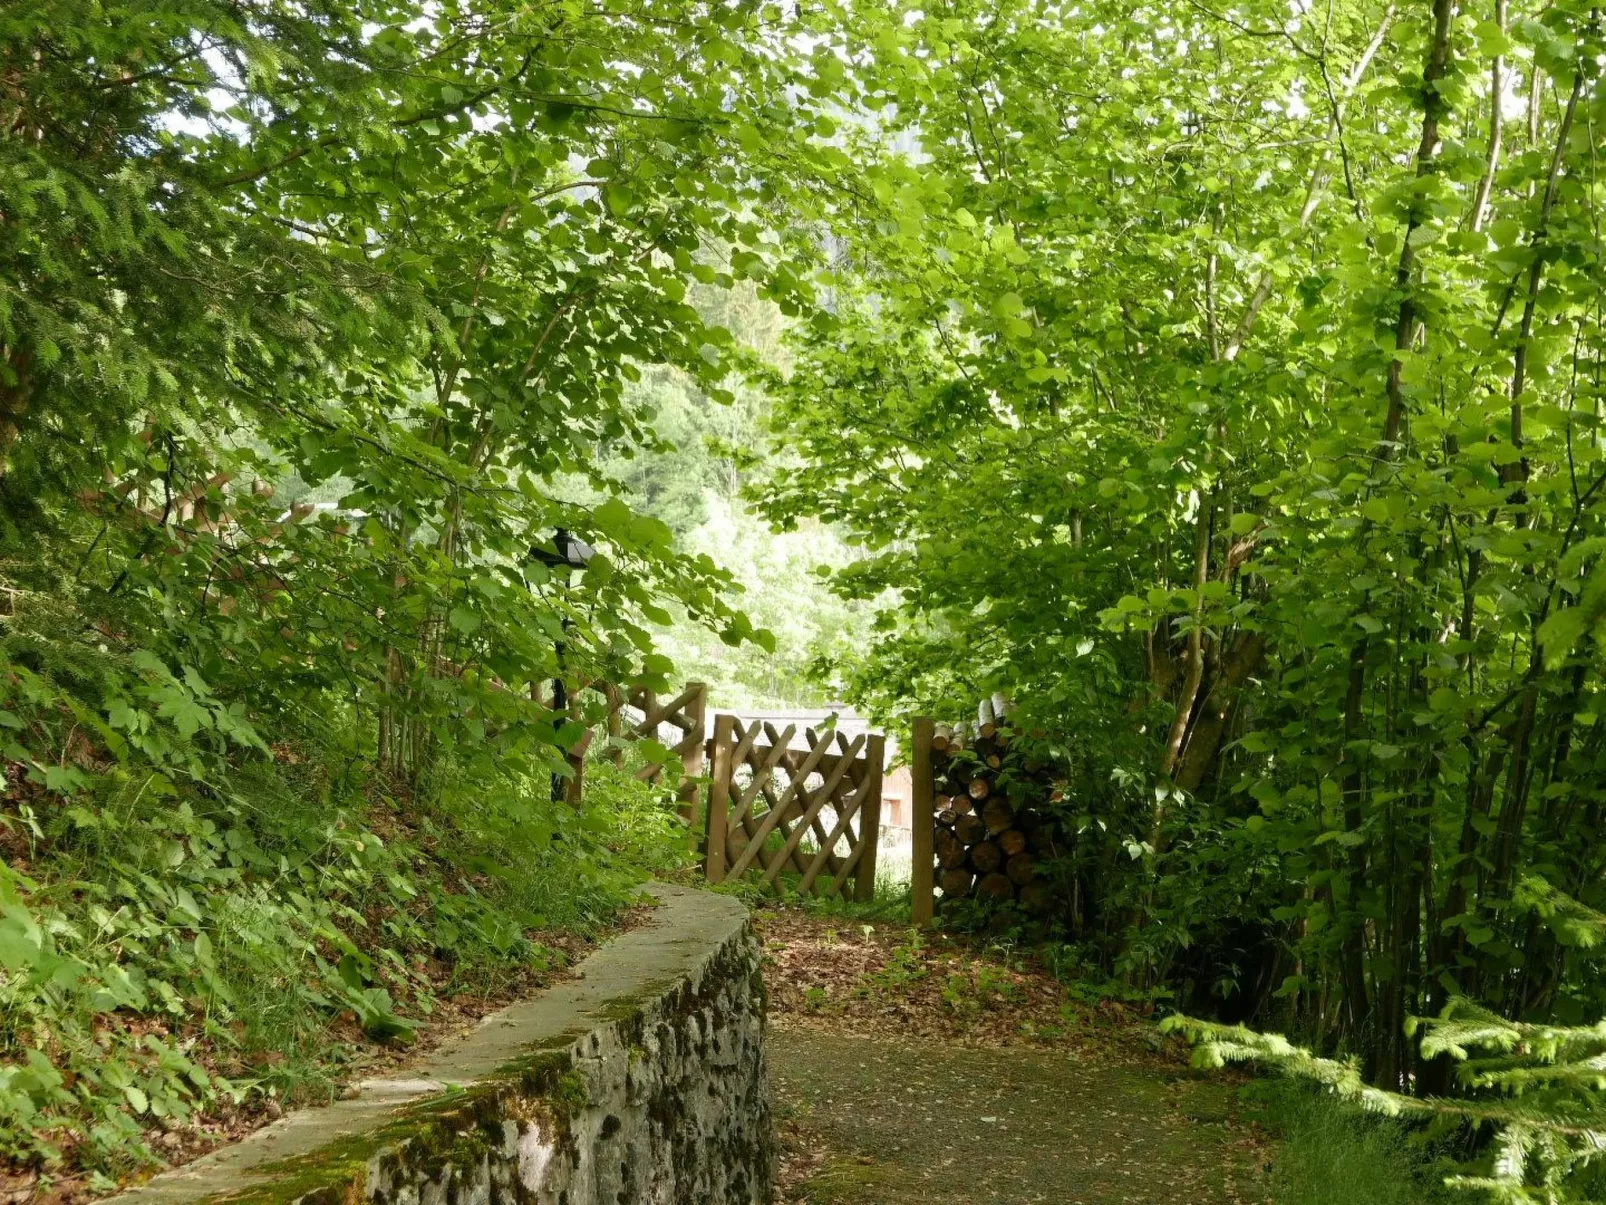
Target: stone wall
x=643, y=1080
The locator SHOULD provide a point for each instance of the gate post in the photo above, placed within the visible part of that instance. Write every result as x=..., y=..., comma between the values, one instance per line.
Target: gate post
x=616, y=723
x=692, y=759
x=875, y=755
x=719, y=791
x=921, y=812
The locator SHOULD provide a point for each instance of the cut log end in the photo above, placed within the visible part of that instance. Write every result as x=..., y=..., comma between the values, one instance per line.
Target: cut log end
x=998, y=815
x=1021, y=869
x=948, y=849
x=970, y=830
x=995, y=887
x=986, y=857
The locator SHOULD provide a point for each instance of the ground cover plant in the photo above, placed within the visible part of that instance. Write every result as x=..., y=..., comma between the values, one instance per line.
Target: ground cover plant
x=1330, y=1153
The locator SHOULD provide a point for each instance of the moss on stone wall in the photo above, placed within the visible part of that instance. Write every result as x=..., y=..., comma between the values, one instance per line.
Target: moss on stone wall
x=664, y=1091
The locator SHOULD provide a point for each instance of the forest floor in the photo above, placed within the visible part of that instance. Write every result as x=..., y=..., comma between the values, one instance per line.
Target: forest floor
x=945, y=1071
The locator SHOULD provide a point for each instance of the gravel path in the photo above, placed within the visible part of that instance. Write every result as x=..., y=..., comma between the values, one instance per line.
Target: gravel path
x=910, y=1125
x=889, y=1095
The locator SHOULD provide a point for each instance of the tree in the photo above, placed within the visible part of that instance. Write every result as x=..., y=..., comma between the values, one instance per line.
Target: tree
x=1224, y=385
x=424, y=258
x=407, y=261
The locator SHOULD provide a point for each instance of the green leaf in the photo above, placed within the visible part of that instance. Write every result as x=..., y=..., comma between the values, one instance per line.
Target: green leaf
x=1560, y=634
x=620, y=197
x=1008, y=305
x=21, y=943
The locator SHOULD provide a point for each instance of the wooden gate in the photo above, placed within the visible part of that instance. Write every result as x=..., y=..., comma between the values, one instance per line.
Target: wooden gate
x=814, y=811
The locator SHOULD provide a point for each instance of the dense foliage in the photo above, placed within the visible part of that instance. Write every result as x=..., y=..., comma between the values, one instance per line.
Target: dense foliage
x=693, y=478
x=310, y=315
x=1225, y=383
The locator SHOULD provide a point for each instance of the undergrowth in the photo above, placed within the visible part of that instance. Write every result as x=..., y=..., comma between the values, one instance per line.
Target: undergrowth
x=889, y=905
x=1331, y=1153
x=194, y=921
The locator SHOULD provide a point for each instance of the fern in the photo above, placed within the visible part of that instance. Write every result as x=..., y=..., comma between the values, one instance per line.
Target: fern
x=1538, y=1090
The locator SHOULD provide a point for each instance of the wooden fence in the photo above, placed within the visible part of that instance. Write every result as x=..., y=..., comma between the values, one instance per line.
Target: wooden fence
x=922, y=794
x=815, y=811
x=680, y=725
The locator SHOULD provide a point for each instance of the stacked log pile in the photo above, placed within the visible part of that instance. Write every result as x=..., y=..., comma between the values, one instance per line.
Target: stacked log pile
x=992, y=832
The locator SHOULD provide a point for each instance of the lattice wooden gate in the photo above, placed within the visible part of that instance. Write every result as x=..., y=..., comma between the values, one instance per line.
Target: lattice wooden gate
x=815, y=810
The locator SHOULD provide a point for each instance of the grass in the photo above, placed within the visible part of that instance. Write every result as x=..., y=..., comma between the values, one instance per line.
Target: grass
x=845, y=1180
x=1333, y=1154
x=891, y=902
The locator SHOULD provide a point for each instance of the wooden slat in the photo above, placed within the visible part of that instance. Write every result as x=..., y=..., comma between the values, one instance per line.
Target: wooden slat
x=763, y=760
x=616, y=705
x=655, y=714
x=751, y=822
x=875, y=753
x=767, y=790
x=774, y=818
x=685, y=712
x=788, y=804
x=813, y=804
x=762, y=766
x=827, y=763
x=860, y=849
x=749, y=827
x=644, y=701
x=690, y=749
x=845, y=816
x=815, y=823
x=745, y=740
x=856, y=776
x=652, y=771
x=849, y=864
x=794, y=764
x=790, y=762
x=719, y=799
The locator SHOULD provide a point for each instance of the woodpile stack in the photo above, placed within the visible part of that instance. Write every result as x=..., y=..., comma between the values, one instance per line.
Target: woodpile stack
x=991, y=833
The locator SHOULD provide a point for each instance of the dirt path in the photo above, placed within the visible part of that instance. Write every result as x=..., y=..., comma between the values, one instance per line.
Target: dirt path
x=941, y=1074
